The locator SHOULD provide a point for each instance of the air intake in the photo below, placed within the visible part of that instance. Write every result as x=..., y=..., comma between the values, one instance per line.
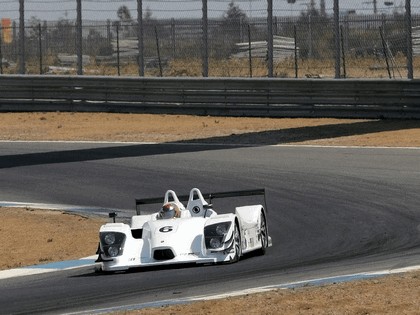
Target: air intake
x=163, y=254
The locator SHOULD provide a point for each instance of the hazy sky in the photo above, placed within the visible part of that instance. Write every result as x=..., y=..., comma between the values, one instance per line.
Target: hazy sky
x=106, y=9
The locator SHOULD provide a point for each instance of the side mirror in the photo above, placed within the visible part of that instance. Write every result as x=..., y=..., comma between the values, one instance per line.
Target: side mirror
x=112, y=215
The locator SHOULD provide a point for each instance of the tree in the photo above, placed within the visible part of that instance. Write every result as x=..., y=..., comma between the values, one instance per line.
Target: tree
x=317, y=38
x=234, y=13
x=34, y=23
x=233, y=27
x=97, y=45
x=126, y=21
x=63, y=35
x=148, y=14
x=124, y=14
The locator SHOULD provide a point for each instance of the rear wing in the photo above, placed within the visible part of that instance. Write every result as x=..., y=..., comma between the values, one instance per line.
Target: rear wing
x=208, y=196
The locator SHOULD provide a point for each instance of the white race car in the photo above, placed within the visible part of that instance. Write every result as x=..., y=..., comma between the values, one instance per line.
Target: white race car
x=177, y=234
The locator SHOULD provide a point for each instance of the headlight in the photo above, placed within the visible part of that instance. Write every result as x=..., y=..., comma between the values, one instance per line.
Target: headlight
x=112, y=243
x=215, y=235
x=109, y=238
x=113, y=251
x=215, y=243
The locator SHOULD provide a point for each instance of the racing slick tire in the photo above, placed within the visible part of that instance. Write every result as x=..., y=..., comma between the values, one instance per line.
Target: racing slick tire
x=263, y=234
x=237, y=244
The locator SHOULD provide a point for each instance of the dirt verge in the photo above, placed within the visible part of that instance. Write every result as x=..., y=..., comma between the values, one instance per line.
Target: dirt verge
x=172, y=128
x=43, y=236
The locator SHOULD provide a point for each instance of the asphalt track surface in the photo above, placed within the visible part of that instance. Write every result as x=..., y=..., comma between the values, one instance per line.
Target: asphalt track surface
x=331, y=211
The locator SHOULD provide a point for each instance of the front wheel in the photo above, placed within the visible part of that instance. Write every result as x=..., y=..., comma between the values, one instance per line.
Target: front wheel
x=263, y=234
x=237, y=244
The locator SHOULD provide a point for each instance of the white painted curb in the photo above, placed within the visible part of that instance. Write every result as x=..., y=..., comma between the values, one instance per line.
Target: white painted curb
x=51, y=267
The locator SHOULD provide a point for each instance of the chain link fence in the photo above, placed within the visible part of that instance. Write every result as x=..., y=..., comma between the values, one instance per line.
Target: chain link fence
x=252, y=38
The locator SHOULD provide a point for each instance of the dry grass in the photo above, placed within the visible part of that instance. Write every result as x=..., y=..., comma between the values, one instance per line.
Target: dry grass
x=170, y=128
x=40, y=236
x=367, y=67
x=390, y=295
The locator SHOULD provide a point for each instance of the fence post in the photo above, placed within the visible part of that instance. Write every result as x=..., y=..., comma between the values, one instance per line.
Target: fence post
x=46, y=38
x=15, y=42
x=337, y=39
x=1, y=53
x=409, y=39
x=108, y=32
x=40, y=48
x=343, y=55
x=118, y=49
x=296, y=51
x=241, y=32
x=205, y=51
x=270, y=37
x=173, y=37
x=21, y=37
x=140, y=37
x=249, y=51
x=310, y=43
x=385, y=50
x=276, y=26
x=158, y=52
x=79, y=38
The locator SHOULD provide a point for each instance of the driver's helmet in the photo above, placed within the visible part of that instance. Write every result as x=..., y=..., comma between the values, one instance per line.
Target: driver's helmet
x=169, y=210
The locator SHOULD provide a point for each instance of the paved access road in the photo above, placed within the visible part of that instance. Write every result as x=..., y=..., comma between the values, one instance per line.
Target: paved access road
x=331, y=211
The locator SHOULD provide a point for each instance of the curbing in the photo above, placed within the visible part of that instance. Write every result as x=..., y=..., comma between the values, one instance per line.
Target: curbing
x=55, y=266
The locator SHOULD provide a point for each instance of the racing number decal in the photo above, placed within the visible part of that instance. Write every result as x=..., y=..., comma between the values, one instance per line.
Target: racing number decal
x=166, y=229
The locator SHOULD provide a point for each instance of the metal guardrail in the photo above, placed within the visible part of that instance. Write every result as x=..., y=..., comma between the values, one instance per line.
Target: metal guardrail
x=263, y=97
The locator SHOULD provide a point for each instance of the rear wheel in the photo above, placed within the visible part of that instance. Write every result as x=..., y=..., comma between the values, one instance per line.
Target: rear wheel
x=263, y=234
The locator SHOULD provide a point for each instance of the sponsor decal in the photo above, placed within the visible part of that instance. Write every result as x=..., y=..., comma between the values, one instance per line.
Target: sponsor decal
x=166, y=229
